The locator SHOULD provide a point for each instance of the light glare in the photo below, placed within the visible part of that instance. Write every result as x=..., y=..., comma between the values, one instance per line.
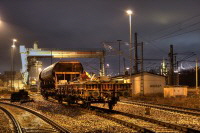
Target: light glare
x=13, y=46
x=14, y=40
x=129, y=12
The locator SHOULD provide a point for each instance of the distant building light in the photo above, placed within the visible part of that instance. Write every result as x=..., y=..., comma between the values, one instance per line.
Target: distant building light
x=39, y=69
x=176, y=71
x=14, y=40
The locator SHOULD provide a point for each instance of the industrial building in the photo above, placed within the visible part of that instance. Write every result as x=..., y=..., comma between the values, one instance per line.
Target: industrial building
x=144, y=83
x=14, y=78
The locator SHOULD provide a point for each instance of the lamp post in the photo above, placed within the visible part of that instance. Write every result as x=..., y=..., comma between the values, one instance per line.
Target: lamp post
x=12, y=64
x=107, y=67
x=129, y=12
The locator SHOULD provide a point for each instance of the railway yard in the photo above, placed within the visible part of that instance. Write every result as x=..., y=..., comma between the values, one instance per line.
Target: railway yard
x=126, y=117
x=99, y=66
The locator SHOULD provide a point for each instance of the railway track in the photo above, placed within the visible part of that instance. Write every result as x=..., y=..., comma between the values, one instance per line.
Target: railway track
x=139, y=128
x=17, y=127
x=106, y=113
x=195, y=112
x=50, y=122
x=124, y=123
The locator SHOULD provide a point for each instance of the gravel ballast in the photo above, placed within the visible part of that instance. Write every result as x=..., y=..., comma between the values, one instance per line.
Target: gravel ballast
x=162, y=115
x=6, y=125
x=74, y=118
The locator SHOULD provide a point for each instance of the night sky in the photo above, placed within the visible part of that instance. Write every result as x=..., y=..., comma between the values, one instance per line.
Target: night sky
x=87, y=23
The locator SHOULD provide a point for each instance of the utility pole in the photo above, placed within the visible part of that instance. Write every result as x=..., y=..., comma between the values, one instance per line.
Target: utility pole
x=119, y=55
x=171, y=59
x=135, y=55
x=142, y=72
x=11, y=72
x=51, y=57
x=196, y=75
x=176, y=82
x=177, y=73
x=124, y=65
x=140, y=61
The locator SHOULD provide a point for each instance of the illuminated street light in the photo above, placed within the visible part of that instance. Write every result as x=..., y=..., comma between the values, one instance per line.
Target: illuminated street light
x=14, y=40
x=129, y=12
x=13, y=45
x=107, y=67
x=12, y=64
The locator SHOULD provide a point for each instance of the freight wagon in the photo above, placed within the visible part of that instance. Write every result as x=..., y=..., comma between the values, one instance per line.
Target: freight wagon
x=67, y=81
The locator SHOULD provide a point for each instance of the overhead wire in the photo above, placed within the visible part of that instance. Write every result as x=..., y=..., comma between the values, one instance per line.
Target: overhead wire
x=176, y=31
x=151, y=43
x=182, y=33
x=177, y=24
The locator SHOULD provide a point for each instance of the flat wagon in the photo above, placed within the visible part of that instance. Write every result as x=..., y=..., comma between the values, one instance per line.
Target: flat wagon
x=67, y=81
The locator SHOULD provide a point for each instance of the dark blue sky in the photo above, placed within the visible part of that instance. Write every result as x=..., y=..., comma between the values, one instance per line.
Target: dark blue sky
x=87, y=23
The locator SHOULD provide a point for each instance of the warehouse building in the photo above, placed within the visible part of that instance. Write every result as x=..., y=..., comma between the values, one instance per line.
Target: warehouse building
x=144, y=83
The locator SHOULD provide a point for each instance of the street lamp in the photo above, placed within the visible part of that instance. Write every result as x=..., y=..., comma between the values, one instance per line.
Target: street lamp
x=129, y=12
x=107, y=67
x=12, y=64
x=127, y=69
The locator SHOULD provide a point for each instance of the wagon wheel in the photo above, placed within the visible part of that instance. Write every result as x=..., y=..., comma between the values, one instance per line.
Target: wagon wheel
x=46, y=97
x=60, y=100
x=88, y=105
x=110, y=105
x=69, y=102
x=85, y=104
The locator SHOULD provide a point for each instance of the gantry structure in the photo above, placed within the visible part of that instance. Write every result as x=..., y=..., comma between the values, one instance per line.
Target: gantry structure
x=29, y=57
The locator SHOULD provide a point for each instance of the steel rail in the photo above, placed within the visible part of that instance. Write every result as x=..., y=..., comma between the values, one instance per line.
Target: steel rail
x=127, y=124
x=55, y=125
x=6, y=99
x=165, y=124
x=124, y=123
x=195, y=112
x=16, y=124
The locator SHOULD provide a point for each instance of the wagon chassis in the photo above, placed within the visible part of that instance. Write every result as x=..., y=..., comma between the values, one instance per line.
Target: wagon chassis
x=72, y=94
